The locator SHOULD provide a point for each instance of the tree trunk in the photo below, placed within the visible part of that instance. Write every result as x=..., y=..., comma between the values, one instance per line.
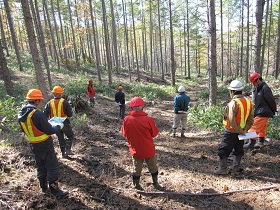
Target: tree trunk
x=212, y=54
x=160, y=43
x=13, y=33
x=41, y=39
x=107, y=42
x=172, y=56
x=259, y=16
x=222, y=41
x=33, y=47
x=247, y=42
x=5, y=72
x=3, y=36
x=278, y=46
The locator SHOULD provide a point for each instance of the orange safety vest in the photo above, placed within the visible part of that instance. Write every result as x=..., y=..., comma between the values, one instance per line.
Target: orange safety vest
x=244, y=109
x=34, y=135
x=56, y=106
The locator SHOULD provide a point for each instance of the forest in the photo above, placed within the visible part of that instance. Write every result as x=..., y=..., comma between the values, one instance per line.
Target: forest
x=150, y=48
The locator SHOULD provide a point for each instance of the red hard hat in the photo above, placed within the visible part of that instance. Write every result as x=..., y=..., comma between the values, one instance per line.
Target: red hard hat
x=90, y=81
x=254, y=76
x=136, y=101
x=57, y=89
x=34, y=94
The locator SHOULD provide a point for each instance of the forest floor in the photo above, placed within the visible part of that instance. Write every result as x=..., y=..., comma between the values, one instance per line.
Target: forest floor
x=99, y=175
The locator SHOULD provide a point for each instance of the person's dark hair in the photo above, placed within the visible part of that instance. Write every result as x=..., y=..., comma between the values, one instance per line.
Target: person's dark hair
x=237, y=92
x=31, y=101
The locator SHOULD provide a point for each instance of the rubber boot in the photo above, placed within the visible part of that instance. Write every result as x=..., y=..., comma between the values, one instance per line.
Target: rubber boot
x=155, y=179
x=68, y=148
x=259, y=143
x=136, y=182
x=183, y=133
x=173, y=134
x=56, y=191
x=236, y=164
x=250, y=144
x=44, y=185
x=63, y=152
x=223, y=167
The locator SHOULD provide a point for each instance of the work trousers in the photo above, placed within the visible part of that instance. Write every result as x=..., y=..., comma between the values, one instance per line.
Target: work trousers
x=46, y=160
x=122, y=111
x=259, y=126
x=67, y=130
x=138, y=165
x=180, y=119
x=230, y=143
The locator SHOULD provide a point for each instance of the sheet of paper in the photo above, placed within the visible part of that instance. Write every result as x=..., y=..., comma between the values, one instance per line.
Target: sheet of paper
x=56, y=120
x=248, y=136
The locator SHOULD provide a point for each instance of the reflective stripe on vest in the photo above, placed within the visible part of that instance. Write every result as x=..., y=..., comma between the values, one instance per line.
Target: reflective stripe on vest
x=56, y=107
x=34, y=135
x=244, y=109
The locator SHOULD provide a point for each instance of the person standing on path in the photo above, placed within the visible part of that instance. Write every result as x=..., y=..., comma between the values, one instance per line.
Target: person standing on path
x=181, y=107
x=91, y=93
x=120, y=100
x=59, y=107
x=139, y=129
x=36, y=127
x=265, y=108
x=238, y=118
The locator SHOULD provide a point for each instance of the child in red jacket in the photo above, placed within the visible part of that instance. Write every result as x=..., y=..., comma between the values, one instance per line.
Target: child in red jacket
x=91, y=92
x=139, y=129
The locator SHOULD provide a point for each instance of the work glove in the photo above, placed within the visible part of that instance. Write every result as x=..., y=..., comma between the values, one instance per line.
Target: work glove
x=61, y=125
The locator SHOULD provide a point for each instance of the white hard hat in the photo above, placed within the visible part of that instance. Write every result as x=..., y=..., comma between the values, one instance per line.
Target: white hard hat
x=181, y=89
x=236, y=85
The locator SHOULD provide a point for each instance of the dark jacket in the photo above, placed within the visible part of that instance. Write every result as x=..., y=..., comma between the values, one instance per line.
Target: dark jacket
x=39, y=119
x=120, y=97
x=265, y=105
x=181, y=103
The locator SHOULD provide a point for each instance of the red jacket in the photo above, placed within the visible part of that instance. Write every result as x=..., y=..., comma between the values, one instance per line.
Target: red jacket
x=90, y=91
x=139, y=129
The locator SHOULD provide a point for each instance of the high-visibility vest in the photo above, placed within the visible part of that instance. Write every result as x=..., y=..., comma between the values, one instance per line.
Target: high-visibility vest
x=34, y=135
x=56, y=106
x=244, y=109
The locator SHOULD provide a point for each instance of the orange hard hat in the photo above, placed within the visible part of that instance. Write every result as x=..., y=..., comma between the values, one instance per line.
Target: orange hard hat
x=120, y=87
x=254, y=76
x=136, y=101
x=34, y=94
x=57, y=89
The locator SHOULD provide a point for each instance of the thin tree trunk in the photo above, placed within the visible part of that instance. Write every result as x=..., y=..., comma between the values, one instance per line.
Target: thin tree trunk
x=278, y=46
x=151, y=37
x=264, y=36
x=247, y=42
x=160, y=42
x=212, y=54
x=258, y=33
x=3, y=36
x=172, y=56
x=33, y=47
x=222, y=41
x=5, y=72
x=13, y=33
x=107, y=42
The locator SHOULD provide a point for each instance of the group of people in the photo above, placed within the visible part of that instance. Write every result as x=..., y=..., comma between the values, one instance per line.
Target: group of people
x=241, y=115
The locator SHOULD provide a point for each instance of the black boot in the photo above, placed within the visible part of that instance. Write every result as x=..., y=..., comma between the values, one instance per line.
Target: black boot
x=63, y=152
x=250, y=144
x=56, y=191
x=155, y=179
x=44, y=185
x=223, y=167
x=236, y=164
x=136, y=182
x=68, y=148
x=260, y=142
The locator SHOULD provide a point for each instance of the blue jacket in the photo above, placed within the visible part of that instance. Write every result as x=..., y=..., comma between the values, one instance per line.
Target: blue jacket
x=181, y=103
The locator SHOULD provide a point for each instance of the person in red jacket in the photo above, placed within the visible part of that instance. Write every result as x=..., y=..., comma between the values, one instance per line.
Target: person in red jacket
x=91, y=92
x=139, y=129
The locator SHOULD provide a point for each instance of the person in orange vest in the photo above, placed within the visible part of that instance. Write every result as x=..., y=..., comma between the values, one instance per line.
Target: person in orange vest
x=91, y=93
x=59, y=107
x=36, y=127
x=139, y=130
x=265, y=108
x=238, y=119
x=120, y=100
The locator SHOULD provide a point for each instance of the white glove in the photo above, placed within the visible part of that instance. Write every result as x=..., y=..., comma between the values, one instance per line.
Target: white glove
x=54, y=136
x=61, y=125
